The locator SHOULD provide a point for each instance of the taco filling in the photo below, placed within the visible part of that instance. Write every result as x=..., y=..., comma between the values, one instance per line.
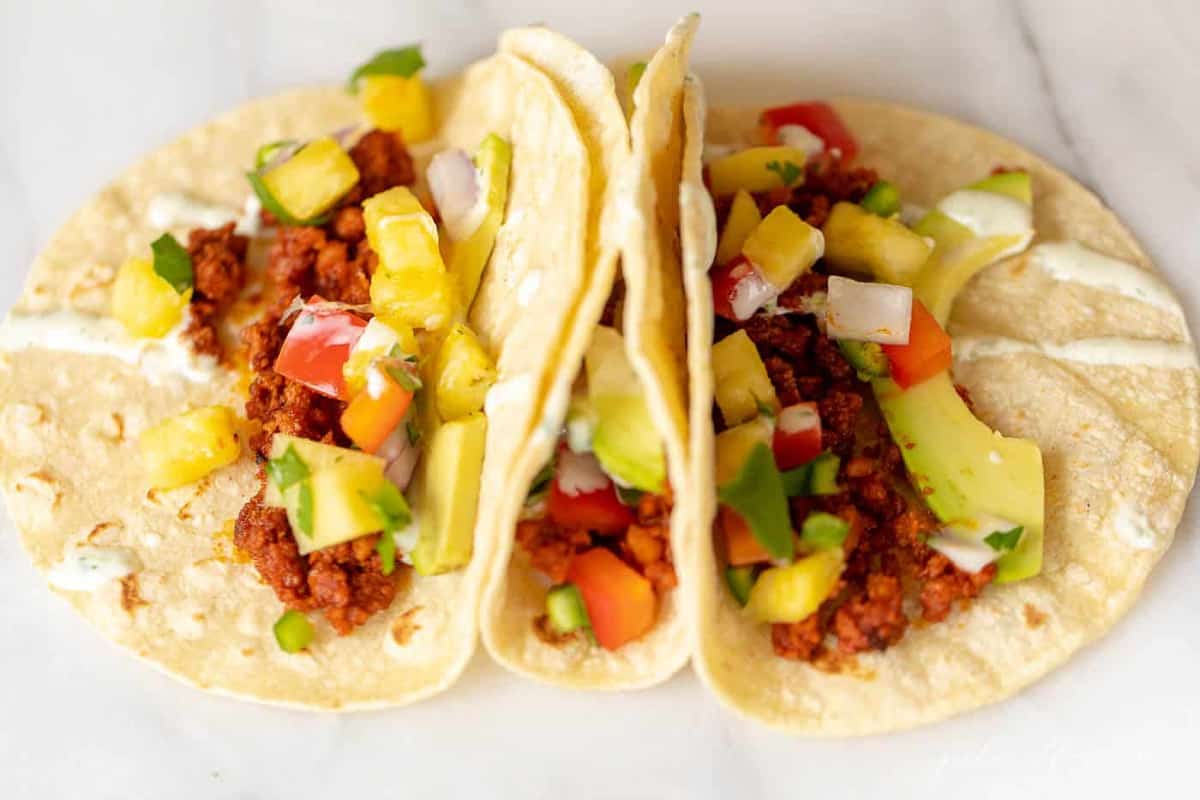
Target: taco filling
x=596, y=521
x=858, y=493
x=365, y=385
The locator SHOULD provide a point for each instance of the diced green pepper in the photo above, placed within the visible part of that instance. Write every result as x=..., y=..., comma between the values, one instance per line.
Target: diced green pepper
x=822, y=530
x=882, y=199
x=565, y=609
x=867, y=358
x=293, y=632
x=823, y=479
x=740, y=581
x=756, y=493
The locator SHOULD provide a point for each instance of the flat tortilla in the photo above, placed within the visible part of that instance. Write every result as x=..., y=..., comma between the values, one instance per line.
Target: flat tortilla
x=70, y=468
x=1119, y=443
x=623, y=194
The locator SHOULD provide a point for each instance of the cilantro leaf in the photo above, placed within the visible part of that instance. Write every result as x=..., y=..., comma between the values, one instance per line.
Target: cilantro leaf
x=172, y=263
x=414, y=432
x=787, y=171
x=267, y=152
x=402, y=375
x=630, y=496
x=394, y=515
x=287, y=469
x=402, y=61
x=304, y=509
x=756, y=493
x=1004, y=541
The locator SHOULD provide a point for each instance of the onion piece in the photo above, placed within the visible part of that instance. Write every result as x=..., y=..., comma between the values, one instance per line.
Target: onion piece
x=967, y=555
x=344, y=134
x=801, y=138
x=579, y=473
x=797, y=418
x=401, y=456
x=455, y=185
x=751, y=292
x=868, y=312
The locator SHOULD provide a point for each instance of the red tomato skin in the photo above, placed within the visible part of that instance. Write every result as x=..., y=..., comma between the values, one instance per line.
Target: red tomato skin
x=725, y=279
x=819, y=118
x=620, y=602
x=317, y=346
x=600, y=511
x=926, y=354
x=793, y=449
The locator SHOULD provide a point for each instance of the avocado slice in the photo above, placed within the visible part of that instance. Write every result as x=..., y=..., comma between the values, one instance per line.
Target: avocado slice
x=1016, y=185
x=469, y=256
x=449, y=477
x=625, y=439
x=963, y=468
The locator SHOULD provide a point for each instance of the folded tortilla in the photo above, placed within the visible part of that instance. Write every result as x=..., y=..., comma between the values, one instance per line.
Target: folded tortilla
x=1104, y=382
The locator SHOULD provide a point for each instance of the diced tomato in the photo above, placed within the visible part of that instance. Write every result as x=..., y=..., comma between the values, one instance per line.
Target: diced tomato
x=926, y=354
x=370, y=419
x=601, y=511
x=739, y=277
x=620, y=602
x=797, y=437
x=317, y=346
x=819, y=118
x=741, y=548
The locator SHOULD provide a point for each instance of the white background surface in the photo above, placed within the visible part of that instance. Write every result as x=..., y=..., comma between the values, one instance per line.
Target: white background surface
x=1109, y=95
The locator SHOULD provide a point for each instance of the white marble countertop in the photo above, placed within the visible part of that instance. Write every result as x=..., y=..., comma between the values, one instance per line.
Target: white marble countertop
x=1108, y=94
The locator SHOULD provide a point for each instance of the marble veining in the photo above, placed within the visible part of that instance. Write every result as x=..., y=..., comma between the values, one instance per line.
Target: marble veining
x=1107, y=91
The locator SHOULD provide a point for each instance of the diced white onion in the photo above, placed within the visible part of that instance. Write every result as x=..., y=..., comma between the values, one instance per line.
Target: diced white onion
x=579, y=473
x=797, y=418
x=802, y=138
x=400, y=454
x=344, y=135
x=967, y=555
x=282, y=156
x=868, y=312
x=750, y=293
x=455, y=184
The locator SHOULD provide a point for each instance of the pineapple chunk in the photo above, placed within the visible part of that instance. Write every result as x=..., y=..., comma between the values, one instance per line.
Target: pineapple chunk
x=308, y=184
x=450, y=472
x=418, y=297
x=733, y=446
x=397, y=103
x=784, y=247
x=742, y=383
x=377, y=340
x=757, y=169
x=791, y=593
x=401, y=231
x=144, y=302
x=187, y=447
x=858, y=241
x=463, y=374
x=743, y=218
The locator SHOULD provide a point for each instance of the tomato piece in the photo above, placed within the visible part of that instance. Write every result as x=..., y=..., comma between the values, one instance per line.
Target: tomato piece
x=620, y=602
x=797, y=437
x=600, y=511
x=370, y=419
x=819, y=118
x=741, y=548
x=926, y=354
x=738, y=286
x=317, y=346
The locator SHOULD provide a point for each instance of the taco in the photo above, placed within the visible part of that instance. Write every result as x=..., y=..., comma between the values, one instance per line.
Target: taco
x=955, y=417
x=254, y=457
x=585, y=589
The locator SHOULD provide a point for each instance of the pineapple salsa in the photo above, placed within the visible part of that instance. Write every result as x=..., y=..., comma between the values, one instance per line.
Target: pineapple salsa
x=851, y=472
x=365, y=404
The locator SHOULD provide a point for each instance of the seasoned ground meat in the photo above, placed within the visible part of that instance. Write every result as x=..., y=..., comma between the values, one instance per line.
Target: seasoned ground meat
x=284, y=406
x=349, y=224
x=383, y=162
x=201, y=330
x=306, y=261
x=219, y=272
x=886, y=554
x=644, y=545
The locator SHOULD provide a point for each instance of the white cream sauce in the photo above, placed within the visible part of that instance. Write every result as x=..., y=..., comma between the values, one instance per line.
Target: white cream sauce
x=1132, y=527
x=86, y=569
x=1114, y=352
x=1074, y=263
x=88, y=334
x=179, y=210
x=990, y=214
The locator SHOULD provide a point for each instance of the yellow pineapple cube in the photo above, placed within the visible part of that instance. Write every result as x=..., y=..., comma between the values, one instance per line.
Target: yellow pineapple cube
x=397, y=103
x=463, y=373
x=758, y=169
x=144, y=302
x=401, y=231
x=783, y=247
x=743, y=218
x=187, y=447
x=733, y=446
x=741, y=382
x=310, y=182
x=419, y=297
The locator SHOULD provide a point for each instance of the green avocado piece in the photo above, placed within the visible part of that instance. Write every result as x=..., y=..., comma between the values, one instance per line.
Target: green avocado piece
x=469, y=257
x=867, y=358
x=448, y=479
x=963, y=468
x=1016, y=185
x=565, y=609
x=624, y=439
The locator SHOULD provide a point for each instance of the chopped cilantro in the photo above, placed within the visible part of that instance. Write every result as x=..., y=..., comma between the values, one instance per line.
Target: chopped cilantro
x=402, y=61
x=172, y=263
x=287, y=469
x=1004, y=541
x=394, y=515
x=304, y=509
x=414, y=433
x=629, y=497
x=757, y=494
x=787, y=171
